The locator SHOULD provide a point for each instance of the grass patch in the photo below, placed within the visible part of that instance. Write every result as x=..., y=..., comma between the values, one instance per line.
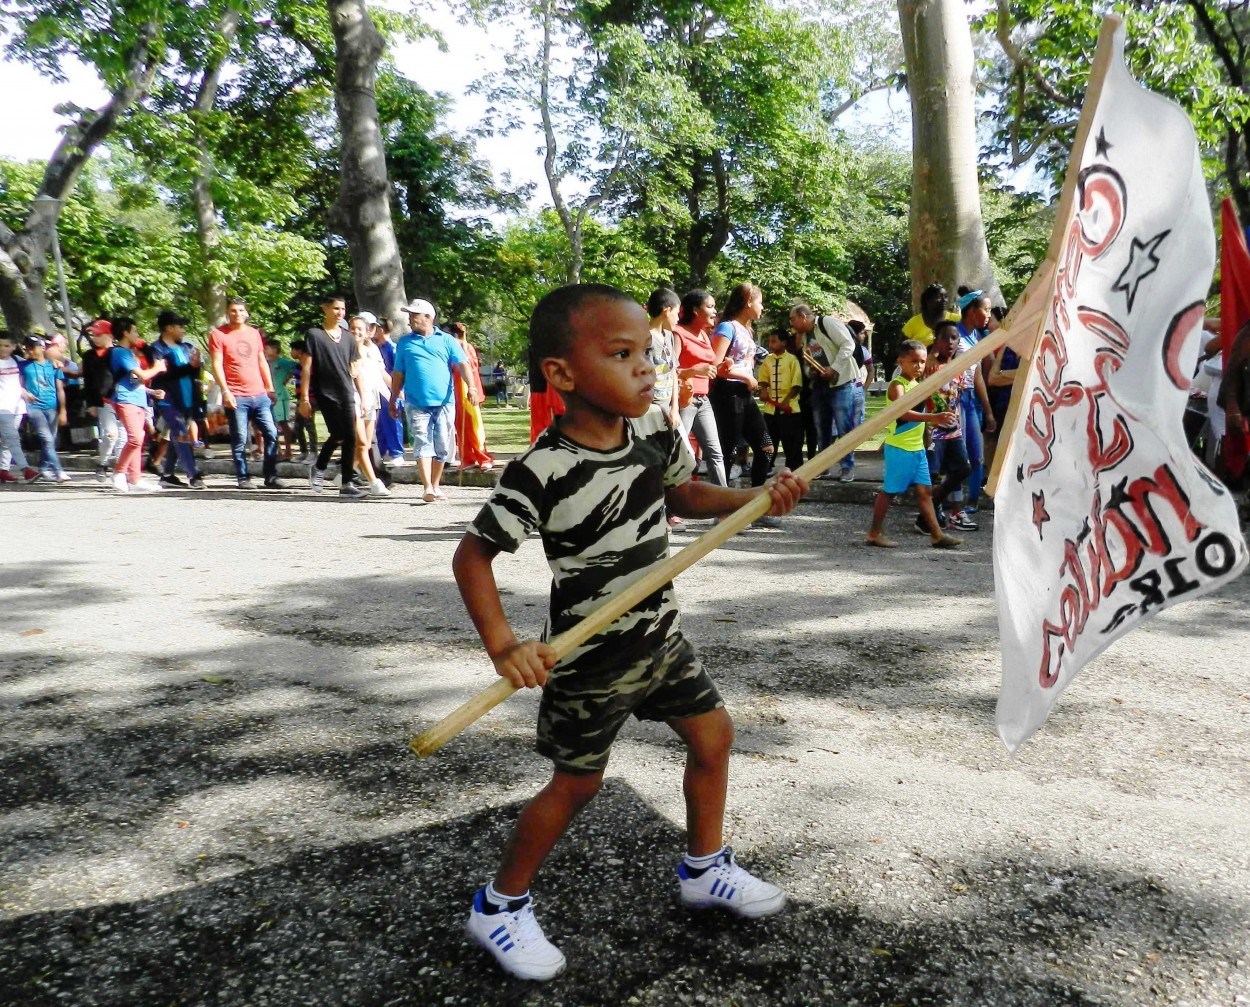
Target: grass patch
x=507, y=429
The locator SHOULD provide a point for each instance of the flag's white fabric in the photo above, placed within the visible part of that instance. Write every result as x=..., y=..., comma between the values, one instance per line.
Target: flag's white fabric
x=1103, y=517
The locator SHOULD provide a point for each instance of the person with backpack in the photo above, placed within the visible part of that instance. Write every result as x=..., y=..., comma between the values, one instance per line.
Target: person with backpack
x=834, y=382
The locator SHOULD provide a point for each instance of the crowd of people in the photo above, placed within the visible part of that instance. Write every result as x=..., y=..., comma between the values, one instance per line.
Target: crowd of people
x=741, y=404
x=375, y=394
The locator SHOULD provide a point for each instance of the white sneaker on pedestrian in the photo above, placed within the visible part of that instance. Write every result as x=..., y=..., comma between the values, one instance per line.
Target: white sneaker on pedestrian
x=377, y=488
x=119, y=483
x=725, y=885
x=514, y=937
x=316, y=479
x=142, y=487
x=63, y=477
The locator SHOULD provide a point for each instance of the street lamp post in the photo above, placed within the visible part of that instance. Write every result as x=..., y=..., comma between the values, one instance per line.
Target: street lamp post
x=50, y=205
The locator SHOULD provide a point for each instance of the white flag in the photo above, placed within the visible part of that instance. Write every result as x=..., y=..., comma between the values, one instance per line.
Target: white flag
x=1103, y=517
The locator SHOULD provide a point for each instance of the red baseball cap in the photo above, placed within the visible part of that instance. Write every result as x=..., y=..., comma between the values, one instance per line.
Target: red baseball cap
x=100, y=327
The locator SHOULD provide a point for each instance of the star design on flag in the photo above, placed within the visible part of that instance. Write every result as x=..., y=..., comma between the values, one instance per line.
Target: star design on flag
x=1020, y=474
x=1101, y=145
x=1119, y=495
x=1040, y=514
x=1142, y=261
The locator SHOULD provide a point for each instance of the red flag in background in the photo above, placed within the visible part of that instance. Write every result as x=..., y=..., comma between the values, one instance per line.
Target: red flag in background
x=1234, y=277
x=1234, y=313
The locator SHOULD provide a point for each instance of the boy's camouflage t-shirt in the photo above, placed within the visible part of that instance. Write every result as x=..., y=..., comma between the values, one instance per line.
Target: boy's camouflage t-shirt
x=602, y=521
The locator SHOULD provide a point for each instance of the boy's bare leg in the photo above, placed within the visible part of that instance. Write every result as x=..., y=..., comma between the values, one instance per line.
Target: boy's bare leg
x=928, y=513
x=543, y=821
x=423, y=466
x=879, y=508
x=437, y=476
x=708, y=738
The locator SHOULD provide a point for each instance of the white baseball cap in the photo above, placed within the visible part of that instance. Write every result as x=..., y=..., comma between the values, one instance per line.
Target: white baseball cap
x=421, y=307
x=369, y=317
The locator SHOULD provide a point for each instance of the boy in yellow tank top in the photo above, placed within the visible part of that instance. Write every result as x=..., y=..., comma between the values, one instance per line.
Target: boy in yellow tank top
x=906, y=463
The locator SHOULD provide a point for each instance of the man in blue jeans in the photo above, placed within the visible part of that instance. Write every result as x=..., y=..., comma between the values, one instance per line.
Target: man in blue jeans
x=182, y=366
x=834, y=384
x=242, y=373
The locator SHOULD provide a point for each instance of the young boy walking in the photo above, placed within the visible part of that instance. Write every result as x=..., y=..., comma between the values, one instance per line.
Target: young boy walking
x=906, y=462
x=46, y=407
x=596, y=486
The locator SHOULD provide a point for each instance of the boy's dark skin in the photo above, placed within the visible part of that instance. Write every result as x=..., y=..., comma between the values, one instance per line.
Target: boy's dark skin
x=605, y=376
x=912, y=367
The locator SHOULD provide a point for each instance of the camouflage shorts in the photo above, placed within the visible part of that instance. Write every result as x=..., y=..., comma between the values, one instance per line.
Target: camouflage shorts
x=583, y=709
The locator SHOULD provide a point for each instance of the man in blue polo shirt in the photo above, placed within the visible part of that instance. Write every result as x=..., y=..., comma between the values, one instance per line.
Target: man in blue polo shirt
x=423, y=376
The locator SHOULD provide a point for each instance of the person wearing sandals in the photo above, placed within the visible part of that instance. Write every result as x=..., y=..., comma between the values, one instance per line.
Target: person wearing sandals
x=906, y=462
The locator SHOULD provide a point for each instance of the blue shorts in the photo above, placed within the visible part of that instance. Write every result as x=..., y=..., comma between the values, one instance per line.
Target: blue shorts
x=904, y=469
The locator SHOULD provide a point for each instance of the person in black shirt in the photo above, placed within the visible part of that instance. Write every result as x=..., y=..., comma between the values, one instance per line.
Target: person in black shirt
x=329, y=372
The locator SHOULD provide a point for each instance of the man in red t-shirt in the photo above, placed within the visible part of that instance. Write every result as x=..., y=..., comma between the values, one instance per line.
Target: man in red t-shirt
x=242, y=373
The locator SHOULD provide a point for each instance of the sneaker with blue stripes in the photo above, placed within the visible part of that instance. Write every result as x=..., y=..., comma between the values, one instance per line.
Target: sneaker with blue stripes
x=513, y=936
x=725, y=885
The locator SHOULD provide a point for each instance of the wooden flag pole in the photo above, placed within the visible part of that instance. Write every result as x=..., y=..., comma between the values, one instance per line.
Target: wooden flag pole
x=431, y=740
x=1029, y=329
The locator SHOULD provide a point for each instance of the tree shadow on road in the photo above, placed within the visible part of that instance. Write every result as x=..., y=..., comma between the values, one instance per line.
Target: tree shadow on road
x=380, y=922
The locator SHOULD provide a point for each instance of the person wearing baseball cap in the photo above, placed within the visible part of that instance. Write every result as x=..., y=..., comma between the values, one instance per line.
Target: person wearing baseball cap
x=97, y=387
x=424, y=362
x=182, y=367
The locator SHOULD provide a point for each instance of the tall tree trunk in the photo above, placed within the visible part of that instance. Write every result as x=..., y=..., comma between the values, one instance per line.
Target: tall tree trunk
x=708, y=231
x=947, y=233
x=572, y=222
x=362, y=213
x=212, y=290
x=24, y=254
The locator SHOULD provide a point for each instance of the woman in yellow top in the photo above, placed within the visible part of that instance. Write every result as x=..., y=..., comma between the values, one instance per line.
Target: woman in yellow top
x=932, y=310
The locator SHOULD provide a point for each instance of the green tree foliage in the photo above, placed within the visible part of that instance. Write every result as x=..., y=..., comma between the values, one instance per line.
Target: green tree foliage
x=108, y=237
x=1038, y=71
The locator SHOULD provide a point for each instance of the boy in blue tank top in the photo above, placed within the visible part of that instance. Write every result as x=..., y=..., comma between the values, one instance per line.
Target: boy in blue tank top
x=906, y=463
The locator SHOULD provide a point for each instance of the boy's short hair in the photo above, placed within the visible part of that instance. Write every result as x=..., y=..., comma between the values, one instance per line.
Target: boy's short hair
x=232, y=301
x=333, y=296
x=299, y=346
x=7, y=337
x=945, y=323
x=909, y=346
x=551, y=324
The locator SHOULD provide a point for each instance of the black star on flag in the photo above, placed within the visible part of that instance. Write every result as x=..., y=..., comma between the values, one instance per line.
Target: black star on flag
x=1142, y=261
x=1101, y=144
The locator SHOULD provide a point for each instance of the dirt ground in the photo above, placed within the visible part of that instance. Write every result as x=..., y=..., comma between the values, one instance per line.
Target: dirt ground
x=207, y=796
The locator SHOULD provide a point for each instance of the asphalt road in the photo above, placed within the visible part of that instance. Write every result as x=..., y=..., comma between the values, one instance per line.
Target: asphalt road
x=206, y=796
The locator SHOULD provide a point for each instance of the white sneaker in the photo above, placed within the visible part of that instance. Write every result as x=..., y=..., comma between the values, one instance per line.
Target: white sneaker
x=515, y=939
x=316, y=479
x=735, y=472
x=725, y=885
x=63, y=477
x=377, y=488
x=142, y=487
x=119, y=483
